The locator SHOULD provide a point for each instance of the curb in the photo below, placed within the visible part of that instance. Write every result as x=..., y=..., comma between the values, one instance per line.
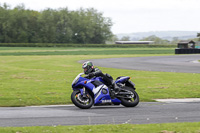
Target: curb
x=184, y=100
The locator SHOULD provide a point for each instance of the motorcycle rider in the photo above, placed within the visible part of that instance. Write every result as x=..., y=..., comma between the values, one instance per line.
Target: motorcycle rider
x=90, y=72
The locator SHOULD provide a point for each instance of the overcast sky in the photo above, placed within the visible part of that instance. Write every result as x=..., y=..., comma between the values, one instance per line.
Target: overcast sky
x=131, y=16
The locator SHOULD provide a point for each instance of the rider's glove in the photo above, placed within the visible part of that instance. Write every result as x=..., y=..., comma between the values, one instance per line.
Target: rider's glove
x=91, y=75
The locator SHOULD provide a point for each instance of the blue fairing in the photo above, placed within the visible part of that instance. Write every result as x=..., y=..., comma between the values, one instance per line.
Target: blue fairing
x=100, y=92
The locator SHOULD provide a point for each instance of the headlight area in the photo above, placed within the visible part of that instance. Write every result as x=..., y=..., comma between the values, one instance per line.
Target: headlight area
x=75, y=81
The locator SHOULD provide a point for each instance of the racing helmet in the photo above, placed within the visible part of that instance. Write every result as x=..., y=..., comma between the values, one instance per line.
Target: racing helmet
x=87, y=67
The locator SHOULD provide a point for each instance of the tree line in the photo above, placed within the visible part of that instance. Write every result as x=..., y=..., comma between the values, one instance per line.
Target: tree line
x=153, y=38
x=21, y=25
x=158, y=40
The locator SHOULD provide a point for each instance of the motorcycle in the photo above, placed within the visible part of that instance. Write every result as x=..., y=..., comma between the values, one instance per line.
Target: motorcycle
x=93, y=91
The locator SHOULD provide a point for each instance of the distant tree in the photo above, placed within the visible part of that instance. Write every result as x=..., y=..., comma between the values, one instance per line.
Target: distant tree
x=125, y=38
x=89, y=26
x=112, y=40
x=198, y=35
x=156, y=40
x=175, y=40
x=4, y=23
x=63, y=29
x=20, y=25
x=115, y=38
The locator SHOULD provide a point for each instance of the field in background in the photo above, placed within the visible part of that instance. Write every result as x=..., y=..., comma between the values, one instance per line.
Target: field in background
x=19, y=51
x=29, y=79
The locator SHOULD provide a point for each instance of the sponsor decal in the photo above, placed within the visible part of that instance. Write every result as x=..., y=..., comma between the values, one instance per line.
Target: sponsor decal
x=95, y=90
x=106, y=101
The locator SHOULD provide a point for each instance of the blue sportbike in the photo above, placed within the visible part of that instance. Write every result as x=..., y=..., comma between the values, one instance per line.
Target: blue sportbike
x=93, y=91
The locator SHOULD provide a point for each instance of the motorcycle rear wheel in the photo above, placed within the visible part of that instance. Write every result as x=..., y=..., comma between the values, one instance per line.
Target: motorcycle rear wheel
x=130, y=102
x=80, y=101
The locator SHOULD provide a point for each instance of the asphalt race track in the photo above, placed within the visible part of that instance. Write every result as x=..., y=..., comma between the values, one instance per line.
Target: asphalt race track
x=174, y=63
x=144, y=113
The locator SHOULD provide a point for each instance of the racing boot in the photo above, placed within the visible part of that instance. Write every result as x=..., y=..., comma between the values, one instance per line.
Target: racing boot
x=116, y=88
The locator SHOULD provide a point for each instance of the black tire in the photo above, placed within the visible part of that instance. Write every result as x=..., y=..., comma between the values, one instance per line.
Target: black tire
x=80, y=102
x=130, y=102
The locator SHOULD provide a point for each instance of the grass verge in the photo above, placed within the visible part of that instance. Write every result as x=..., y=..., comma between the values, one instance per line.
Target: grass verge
x=122, y=128
x=9, y=51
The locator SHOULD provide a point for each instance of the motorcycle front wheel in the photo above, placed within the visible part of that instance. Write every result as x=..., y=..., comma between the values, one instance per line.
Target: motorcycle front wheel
x=80, y=101
x=130, y=101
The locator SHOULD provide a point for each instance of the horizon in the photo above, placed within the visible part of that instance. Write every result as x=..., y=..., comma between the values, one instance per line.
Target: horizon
x=161, y=31
x=166, y=35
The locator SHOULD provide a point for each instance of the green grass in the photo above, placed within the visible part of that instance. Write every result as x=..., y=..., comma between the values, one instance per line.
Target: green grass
x=4, y=51
x=122, y=128
x=44, y=80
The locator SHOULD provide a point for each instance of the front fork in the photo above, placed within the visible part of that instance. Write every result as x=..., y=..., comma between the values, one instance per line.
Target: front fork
x=83, y=92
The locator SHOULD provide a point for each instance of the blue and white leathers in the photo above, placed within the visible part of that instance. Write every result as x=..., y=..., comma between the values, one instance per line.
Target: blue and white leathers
x=100, y=93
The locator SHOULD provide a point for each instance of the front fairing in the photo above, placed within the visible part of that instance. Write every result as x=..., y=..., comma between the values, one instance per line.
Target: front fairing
x=78, y=81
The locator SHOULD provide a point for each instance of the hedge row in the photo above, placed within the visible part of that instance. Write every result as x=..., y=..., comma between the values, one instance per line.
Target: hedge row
x=82, y=45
